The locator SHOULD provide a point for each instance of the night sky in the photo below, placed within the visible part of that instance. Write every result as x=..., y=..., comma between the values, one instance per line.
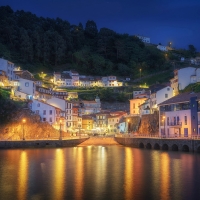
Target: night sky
x=177, y=21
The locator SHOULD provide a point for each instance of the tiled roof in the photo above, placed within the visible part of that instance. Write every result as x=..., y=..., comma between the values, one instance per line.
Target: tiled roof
x=66, y=76
x=184, y=97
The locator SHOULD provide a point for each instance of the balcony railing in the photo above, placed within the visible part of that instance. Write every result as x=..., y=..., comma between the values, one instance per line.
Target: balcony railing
x=174, y=124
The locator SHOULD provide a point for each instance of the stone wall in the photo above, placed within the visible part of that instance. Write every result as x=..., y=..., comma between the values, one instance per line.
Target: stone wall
x=160, y=143
x=115, y=106
x=149, y=124
x=33, y=128
x=41, y=143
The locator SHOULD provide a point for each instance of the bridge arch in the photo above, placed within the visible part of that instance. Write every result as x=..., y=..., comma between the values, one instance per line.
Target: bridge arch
x=198, y=149
x=157, y=146
x=174, y=147
x=148, y=146
x=165, y=147
x=185, y=148
x=141, y=145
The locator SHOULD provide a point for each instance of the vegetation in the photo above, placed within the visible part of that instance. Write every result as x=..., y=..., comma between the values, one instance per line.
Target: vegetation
x=194, y=87
x=44, y=44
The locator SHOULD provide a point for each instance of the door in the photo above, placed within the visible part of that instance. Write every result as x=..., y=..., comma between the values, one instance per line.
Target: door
x=185, y=132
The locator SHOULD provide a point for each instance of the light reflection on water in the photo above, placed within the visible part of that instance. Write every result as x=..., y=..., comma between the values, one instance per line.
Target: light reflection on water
x=98, y=172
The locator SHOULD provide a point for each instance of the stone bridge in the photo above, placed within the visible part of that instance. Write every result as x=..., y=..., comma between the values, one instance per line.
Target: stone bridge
x=171, y=144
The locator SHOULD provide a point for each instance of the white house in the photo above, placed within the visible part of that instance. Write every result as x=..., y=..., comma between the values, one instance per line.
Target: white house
x=144, y=109
x=183, y=77
x=158, y=96
x=90, y=107
x=180, y=116
x=113, y=121
x=162, y=47
x=136, y=92
x=47, y=112
x=67, y=108
x=9, y=68
x=144, y=38
x=26, y=85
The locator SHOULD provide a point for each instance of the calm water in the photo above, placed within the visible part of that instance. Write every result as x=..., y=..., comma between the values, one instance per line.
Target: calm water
x=97, y=172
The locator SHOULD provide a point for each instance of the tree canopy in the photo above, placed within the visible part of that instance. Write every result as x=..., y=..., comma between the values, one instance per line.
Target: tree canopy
x=37, y=42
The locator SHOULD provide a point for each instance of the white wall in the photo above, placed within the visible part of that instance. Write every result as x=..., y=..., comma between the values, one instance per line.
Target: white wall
x=26, y=86
x=41, y=107
x=172, y=129
x=59, y=103
x=160, y=95
x=184, y=76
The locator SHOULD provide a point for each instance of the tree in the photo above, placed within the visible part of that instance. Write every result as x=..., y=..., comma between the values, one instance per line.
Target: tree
x=192, y=49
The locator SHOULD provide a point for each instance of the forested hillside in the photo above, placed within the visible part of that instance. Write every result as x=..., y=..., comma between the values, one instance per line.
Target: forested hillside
x=38, y=43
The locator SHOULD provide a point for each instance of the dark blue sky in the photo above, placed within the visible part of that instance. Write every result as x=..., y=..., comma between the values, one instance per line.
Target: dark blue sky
x=177, y=21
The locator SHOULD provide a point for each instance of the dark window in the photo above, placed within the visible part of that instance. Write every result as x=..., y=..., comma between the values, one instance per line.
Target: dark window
x=185, y=120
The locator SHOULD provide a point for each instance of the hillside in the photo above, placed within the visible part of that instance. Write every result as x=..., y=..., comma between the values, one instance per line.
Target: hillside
x=44, y=44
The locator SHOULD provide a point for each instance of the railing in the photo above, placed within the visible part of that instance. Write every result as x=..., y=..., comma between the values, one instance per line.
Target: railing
x=196, y=137
x=174, y=124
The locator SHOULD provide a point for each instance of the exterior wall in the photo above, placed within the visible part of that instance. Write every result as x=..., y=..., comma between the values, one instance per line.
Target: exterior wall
x=138, y=92
x=162, y=48
x=21, y=95
x=184, y=77
x=9, y=69
x=144, y=39
x=170, y=127
x=112, y=121
x=193, y=145
x=27, y=86
x=46, y=112
x=87, y=124
x=164, y=94
x=198, y=74
x=134, y=103
x=59, y=103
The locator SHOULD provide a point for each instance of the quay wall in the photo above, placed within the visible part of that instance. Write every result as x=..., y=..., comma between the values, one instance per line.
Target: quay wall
x=187, y=145
x=41, y=143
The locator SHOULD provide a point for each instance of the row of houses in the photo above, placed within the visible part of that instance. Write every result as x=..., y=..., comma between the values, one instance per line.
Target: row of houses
x=60, y=108
x=179, y=113
x=73, y=79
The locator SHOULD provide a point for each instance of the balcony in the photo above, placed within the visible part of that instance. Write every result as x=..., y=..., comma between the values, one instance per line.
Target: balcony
x=174, y=124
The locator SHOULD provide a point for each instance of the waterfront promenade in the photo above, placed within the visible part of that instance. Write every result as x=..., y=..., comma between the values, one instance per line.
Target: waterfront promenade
x=159, y=143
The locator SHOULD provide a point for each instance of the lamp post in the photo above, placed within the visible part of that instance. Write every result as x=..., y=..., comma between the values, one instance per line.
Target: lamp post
x=23, y=122
x=60, y=130
x=128, y=126
x=79, y=127
x=164, y=123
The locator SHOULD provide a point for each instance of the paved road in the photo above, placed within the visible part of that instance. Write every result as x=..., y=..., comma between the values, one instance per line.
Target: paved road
x=99, y=141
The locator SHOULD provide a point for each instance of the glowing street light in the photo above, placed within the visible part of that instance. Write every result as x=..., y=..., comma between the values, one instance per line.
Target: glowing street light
x=140, y=72
x=164, y=123
x=128, y=126
x=79, y=126
x=23, y=122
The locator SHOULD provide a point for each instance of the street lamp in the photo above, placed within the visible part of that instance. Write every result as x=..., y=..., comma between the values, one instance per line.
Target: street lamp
x=164, y=123
x=128, y=126
x=23, y=122
x=79, y=126
x=60, y=130
x=140, y=72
